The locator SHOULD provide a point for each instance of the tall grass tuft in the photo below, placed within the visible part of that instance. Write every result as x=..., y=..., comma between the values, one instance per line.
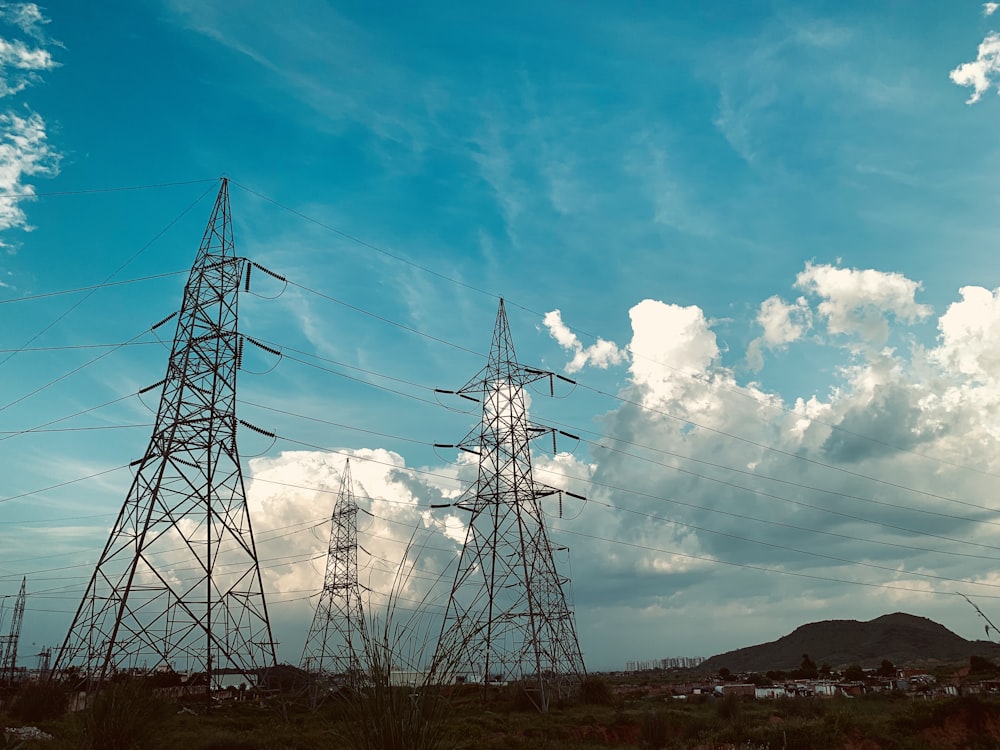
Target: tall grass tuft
x=125, y=714
x=393, y=701
x=39, y=701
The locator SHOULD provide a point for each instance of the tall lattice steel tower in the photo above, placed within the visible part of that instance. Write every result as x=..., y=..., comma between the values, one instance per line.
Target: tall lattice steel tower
x=334, y=646
x=178, y=584
x=9, y=643
x=507, y=618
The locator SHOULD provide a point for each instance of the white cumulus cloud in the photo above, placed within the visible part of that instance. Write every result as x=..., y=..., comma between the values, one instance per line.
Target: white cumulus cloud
x=970, y=330
x=990, y=8
x=783, y=323
x=859, y=302
x=980, y=72
x=601, y=353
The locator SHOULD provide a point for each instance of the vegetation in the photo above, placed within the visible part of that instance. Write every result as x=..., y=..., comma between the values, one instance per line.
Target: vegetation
x=128, y=714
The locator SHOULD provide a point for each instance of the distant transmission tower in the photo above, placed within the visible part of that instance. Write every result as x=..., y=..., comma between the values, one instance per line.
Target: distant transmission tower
x=334, y=644
x=9, y=643
x=178, y=584
x=507, y=618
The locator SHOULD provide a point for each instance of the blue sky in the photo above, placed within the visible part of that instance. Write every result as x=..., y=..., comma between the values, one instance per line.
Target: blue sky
x=779, y=218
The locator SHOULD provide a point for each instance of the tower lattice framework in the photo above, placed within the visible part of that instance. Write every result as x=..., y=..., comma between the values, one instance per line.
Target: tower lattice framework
x=507, y=617
x=9, y=643
x=335, y=644
x=178, y=583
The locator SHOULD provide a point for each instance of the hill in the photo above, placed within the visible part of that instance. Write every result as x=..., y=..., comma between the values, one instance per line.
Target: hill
x=901, y=638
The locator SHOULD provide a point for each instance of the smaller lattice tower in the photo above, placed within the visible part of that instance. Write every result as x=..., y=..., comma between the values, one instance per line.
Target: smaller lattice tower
x=8, y=643
x=507, y=618
x=334, y=646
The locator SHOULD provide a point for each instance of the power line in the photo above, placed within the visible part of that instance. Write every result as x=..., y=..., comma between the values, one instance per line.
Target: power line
x=76, y=290
x=764, y=569
x=114, y=273
x=92, y=191
x=363, y=243
x=539, y=314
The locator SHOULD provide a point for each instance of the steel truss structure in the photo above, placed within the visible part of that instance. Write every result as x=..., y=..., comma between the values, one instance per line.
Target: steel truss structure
x=335, y=644
x=9, y=643
x=178, y=585
x=507, y=618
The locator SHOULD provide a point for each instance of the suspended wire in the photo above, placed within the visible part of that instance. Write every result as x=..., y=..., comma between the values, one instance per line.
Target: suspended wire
x=65, y=375
x=114, y=273
x=61, y=519
x=578, y=331
x=773, y=545
x=391, y=322
x=93, y=191
x=334, y=424
x=732, y=436
x=374, y=373
x=644, y=407
x=788, y=454
x=78, y=346
x=63, y=484
x=757, y=475
x=727, y=534
x=344, y=375
x=77, y=290
x=77, y=429
x=678, y=502
x=70, y=416
x=764, y=569
x=361, y=242
x=715, y=479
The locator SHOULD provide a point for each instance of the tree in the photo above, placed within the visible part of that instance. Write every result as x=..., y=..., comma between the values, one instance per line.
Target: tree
x=854, y=673
x=888, y=669
x=808, y=669
x=981, y=664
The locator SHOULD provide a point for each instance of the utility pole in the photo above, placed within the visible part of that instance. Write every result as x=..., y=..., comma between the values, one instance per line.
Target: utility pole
x=178, y=584
x=507, y=619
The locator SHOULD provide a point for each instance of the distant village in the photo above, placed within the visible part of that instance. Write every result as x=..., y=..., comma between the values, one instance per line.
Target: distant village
x=671, y=678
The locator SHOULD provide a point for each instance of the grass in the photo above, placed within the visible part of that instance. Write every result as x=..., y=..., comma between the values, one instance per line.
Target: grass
x=872, y=722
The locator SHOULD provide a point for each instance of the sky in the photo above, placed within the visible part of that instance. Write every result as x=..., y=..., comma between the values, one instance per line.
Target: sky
x=760, y=237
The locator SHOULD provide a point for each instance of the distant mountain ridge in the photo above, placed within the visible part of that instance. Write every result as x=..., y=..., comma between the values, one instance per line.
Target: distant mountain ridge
x=901, y=638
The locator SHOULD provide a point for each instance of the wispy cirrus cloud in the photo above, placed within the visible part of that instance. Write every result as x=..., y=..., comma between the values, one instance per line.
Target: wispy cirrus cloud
x=25, y=150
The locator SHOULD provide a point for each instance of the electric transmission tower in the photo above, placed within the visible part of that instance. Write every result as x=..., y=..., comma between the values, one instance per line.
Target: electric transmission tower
x=8, y=643
x=178, y=584
x=336, y=637
x=507, y=618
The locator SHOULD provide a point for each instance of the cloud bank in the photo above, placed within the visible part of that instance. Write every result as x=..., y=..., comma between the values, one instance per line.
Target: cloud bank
x=709, y=498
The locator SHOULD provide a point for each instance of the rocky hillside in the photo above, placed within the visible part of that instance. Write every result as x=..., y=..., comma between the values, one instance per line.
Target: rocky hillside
x=901, y=638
